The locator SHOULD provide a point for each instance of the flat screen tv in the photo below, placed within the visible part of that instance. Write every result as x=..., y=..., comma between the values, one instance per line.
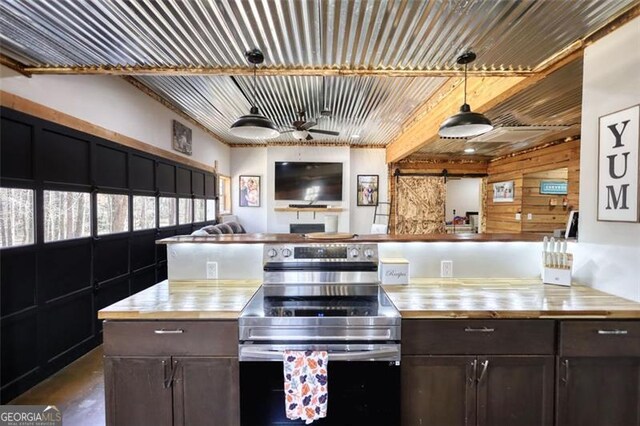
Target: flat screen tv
x=308, y=181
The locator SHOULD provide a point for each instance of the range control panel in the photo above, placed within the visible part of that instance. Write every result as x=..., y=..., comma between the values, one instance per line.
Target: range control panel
x=327, y=252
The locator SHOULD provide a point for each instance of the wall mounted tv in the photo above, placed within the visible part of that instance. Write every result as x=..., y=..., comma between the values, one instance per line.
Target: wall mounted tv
x=308, y=181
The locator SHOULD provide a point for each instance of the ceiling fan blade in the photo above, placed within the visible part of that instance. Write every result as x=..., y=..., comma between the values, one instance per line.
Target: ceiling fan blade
x=308, y=125
x=325, y=132
x=309, y=137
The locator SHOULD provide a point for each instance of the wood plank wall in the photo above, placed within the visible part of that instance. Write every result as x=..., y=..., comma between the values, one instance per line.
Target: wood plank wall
x=501, y=217
x=428, y=166
x=548, y=212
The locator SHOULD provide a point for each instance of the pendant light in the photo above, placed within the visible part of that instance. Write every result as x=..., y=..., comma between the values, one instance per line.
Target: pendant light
x=466, y=123
x=254, y=125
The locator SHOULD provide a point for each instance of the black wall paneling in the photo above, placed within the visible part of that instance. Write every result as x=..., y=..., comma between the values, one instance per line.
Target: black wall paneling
x=50, y=292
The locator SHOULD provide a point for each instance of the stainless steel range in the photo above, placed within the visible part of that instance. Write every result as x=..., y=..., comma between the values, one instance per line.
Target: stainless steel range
x=322, y=296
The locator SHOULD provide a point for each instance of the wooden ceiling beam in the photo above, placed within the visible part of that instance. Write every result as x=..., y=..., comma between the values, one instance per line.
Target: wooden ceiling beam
x=483, y=94
x=14, y=65
x=267, y=71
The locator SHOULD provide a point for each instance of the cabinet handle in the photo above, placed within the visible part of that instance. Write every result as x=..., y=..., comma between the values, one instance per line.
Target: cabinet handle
x=473, y=375
x=612, y=332
x=479, y=330
x=565, y=379
x=485, y=364
x=163, y=331
x=169, y=382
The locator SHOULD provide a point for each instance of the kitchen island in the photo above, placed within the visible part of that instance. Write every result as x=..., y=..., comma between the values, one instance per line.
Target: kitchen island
x=497, y=348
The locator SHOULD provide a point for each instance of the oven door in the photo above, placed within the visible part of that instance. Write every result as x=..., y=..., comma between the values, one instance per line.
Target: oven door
x=364, y=384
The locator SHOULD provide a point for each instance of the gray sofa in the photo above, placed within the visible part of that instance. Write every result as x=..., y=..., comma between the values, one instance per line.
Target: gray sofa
x=220, y=228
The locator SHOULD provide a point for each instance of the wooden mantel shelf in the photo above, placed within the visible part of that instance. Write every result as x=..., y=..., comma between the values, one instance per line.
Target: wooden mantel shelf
x=309, y=209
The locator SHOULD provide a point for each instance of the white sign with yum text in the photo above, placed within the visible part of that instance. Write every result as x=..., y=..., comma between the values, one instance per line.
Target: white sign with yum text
x=619, y=142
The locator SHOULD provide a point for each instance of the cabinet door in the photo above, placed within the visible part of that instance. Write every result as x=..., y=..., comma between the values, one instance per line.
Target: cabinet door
x=599, y=391
x=438, y=390
x=515, y=390
x=135, y=391
x=206, y=391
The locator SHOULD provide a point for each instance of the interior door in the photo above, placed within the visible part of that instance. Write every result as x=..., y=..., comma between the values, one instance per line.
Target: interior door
x=515, y=390
x=438, y=390
x=420, y=204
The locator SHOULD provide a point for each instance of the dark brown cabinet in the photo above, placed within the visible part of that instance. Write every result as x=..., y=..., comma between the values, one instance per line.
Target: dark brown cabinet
x=163, y=373
x=598, y=379
x=491, y=375
x=136, y=391
x=205, y=391
x=438, y=390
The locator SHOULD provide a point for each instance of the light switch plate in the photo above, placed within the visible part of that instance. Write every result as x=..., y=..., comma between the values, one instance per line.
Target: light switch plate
x=518, y=216
x=529, y=216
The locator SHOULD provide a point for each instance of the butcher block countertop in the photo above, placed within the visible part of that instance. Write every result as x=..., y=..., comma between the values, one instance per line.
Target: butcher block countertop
x=424, y=298
x=373, y=238
x=194, y=300
x=505, y=298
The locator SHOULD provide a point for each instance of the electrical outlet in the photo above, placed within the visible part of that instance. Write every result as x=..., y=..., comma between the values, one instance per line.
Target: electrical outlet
x=212, y=270
x=446, y=268
x=518, y=216
x=529, y=216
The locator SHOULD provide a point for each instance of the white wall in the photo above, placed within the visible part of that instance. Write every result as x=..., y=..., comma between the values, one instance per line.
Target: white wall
x=250, y=161
x=367, y=162
x=261, y=161
x=608, y=253
x=463, y=195
x=116, y=105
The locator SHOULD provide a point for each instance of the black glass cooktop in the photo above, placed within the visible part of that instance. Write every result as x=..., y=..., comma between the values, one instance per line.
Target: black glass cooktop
x=320, y=306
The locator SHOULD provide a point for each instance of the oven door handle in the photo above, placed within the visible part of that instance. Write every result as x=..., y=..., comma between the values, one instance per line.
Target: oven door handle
x=268, y=353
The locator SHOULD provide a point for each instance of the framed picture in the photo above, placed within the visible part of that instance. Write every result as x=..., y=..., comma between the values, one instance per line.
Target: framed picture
x=553, y=187
x=503, y=192
x=367, y=190
x=618, y=174
x=181, y=140
x=249, y=191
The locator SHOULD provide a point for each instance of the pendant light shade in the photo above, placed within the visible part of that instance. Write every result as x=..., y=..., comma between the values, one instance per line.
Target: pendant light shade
x=254, y=125
x=466, y=123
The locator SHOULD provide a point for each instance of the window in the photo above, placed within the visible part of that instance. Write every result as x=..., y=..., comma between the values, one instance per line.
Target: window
x=113, y=213
x=167, y=211
x=67, y=215
x=198, y=210
x=16, y=217
x=211, y=210
x=224, y=194
x=185, y=211
x=144, y=212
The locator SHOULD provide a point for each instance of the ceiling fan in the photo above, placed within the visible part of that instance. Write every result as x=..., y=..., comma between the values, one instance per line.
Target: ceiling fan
x=301, y=128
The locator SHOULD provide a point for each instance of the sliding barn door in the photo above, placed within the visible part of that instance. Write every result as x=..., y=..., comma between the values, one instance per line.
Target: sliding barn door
x=420, y=205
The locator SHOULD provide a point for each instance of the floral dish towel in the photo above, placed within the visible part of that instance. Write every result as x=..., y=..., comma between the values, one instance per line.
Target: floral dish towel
x=305, y=385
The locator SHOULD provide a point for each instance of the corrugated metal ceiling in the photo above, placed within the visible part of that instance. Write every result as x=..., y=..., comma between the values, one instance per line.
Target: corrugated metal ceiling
x=354, y=34
x=554, y=101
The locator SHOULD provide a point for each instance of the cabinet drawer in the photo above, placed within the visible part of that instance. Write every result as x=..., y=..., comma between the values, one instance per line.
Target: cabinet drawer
x=478, y=337
x=217, y=338
x=600, y=338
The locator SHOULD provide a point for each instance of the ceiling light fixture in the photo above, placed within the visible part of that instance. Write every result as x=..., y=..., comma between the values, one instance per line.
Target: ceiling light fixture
x=254, y=125
x=465, y=124
x=469, y=150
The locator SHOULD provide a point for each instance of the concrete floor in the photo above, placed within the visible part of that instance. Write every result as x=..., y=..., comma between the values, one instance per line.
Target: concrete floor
x=77, y=390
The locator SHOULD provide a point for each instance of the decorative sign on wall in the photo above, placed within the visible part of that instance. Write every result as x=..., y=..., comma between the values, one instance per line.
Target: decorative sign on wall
x=249, y=191
x=181, y=140
x=503, y=192
x=367, y=190
x=553, y=187
x=619, y=142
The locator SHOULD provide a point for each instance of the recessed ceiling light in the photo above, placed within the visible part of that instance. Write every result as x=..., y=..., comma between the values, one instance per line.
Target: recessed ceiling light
x=355, y=136
x=469, y=150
